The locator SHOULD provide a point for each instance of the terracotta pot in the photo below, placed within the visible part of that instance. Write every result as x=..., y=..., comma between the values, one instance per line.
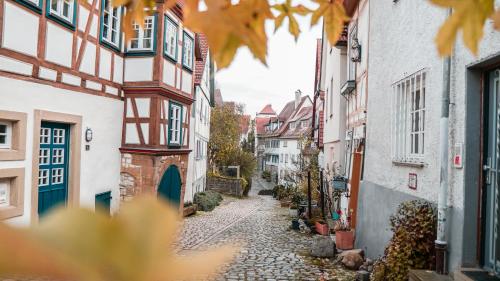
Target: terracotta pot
x=322, y=228
x=344, y=240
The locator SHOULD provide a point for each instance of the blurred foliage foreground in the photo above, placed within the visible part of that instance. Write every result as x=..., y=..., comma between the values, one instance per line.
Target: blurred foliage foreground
x=78, y=244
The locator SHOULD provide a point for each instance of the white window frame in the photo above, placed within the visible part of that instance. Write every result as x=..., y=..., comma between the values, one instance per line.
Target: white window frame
x=175, y=128
x=408, y=118
x=167, y=45
x=149, y=23
x=112, y=17
x=7, y=134
x=59, y=10
x=5, y=184
x=187, y=51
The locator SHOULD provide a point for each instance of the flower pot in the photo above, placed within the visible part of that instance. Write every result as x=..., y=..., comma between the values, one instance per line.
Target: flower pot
x=293, y=212
x=344, y=239
x=322, y=228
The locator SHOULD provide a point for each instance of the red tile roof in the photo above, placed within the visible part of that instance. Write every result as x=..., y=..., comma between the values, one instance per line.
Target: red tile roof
x=268, y=110
x=260, y=123
x=244, y=124
x=202, y=47
x=218, y=97
x=304, y=114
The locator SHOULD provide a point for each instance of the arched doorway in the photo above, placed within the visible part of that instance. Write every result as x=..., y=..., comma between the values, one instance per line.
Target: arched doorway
x=170, y=185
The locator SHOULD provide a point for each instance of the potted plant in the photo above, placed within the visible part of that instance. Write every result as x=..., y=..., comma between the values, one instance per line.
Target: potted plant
x=344, y=235
x=296, y=197
x=322, y=227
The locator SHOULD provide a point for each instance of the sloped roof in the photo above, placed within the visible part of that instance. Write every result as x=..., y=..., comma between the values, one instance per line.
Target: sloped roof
x=218, y=97
x=304, y=114
x=202, y=47
x=244, y=124
x=287, y=111
x=260, y=123
x=317, y=72
x=268, y=110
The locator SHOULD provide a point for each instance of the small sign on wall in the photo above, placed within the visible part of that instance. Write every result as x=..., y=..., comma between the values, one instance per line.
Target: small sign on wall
x=412, y=181
x=458, y=155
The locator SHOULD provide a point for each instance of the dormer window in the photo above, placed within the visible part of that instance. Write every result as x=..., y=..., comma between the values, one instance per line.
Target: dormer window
x=304, y=123
x=292, y=125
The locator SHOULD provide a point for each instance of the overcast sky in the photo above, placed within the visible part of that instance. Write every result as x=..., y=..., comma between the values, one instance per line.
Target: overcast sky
x=290, y=67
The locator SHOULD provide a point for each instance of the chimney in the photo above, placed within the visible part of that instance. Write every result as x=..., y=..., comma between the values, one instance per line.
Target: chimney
x=298, y=95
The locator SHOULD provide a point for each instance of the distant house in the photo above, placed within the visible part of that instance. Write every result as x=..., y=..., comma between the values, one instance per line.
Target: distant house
x=200, y=120
x=244, y=127
x=261, y=120
x=279, y=141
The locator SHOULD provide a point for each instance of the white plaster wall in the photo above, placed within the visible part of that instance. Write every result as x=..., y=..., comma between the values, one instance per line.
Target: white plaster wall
x=290, y=149
x=59, y=44
x=100, y=166
x=187, y=82
x=83, y=16
x=168, y=73
x=89, y=58
x=20, y=30
x=105, y=64
x=118, y=70
x=411, y=49
x=138, y=69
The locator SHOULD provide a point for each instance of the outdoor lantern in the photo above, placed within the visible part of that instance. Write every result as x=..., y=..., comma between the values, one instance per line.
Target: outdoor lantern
x=88, y=135
x=339, y=183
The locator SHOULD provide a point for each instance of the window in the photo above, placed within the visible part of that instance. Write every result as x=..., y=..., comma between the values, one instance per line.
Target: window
x=285, y=144
x=171, y=33
x=57, y=175
x=408, y=118
x=292, y=125
x=199, y=149
x=4, y=193
x=44, y=157
x=63, y=10
x=187, y=51
x=286, y=158
x=110, y=24
x=281, y=158
x=57, y=156
x=44, y=136
x=59, y=136
x=43, y=177
x=142, y=38
x=5, y=135
x=175, y=122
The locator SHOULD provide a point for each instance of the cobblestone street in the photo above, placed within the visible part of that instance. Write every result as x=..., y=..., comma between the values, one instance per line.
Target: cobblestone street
x=270, y=250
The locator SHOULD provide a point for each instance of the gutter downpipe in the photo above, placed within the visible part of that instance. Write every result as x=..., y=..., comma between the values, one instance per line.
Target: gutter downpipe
x=441, y=243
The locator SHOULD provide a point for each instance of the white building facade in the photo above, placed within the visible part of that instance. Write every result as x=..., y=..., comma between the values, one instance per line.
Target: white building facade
x=200, y=125
x=401, y=159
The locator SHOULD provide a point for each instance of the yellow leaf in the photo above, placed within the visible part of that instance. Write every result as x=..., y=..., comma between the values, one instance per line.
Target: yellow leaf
x=228, y=27
x=286, y=10
x=496, y=20
x=78, y=244
x=334, y=17
x=468, y=16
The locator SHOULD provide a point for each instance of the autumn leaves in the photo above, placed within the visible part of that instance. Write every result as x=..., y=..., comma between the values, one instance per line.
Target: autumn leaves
x=469, y=16
x=79, y=244
x=230, y=25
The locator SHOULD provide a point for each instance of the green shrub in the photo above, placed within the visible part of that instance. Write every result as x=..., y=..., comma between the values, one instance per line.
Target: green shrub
x=412, y=244
x=247, y=185
x=207, y=200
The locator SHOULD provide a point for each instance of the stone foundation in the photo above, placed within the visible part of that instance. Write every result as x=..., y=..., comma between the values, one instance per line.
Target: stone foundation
x=141, y=174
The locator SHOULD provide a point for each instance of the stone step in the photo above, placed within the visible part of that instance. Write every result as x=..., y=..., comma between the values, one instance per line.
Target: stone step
x=427, y=275
x=458, y=275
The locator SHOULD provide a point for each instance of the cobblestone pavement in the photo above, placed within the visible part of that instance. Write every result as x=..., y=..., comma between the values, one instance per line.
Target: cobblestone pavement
x=270, y=250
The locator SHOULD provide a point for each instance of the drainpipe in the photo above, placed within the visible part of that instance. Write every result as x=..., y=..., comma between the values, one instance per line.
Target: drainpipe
x=441, y=242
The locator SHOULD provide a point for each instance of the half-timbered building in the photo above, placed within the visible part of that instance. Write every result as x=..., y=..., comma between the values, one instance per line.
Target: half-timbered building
x=87, y=118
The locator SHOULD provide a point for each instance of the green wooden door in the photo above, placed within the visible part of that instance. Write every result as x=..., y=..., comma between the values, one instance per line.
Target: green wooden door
x=170, y=185
x=103, y=202
x=53, y=166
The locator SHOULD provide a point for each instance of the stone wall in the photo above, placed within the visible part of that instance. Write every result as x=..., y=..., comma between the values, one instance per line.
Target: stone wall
x=141, y=174
x=228, y=186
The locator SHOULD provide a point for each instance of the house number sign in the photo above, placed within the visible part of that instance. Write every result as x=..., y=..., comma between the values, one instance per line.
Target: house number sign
x=412, y=181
